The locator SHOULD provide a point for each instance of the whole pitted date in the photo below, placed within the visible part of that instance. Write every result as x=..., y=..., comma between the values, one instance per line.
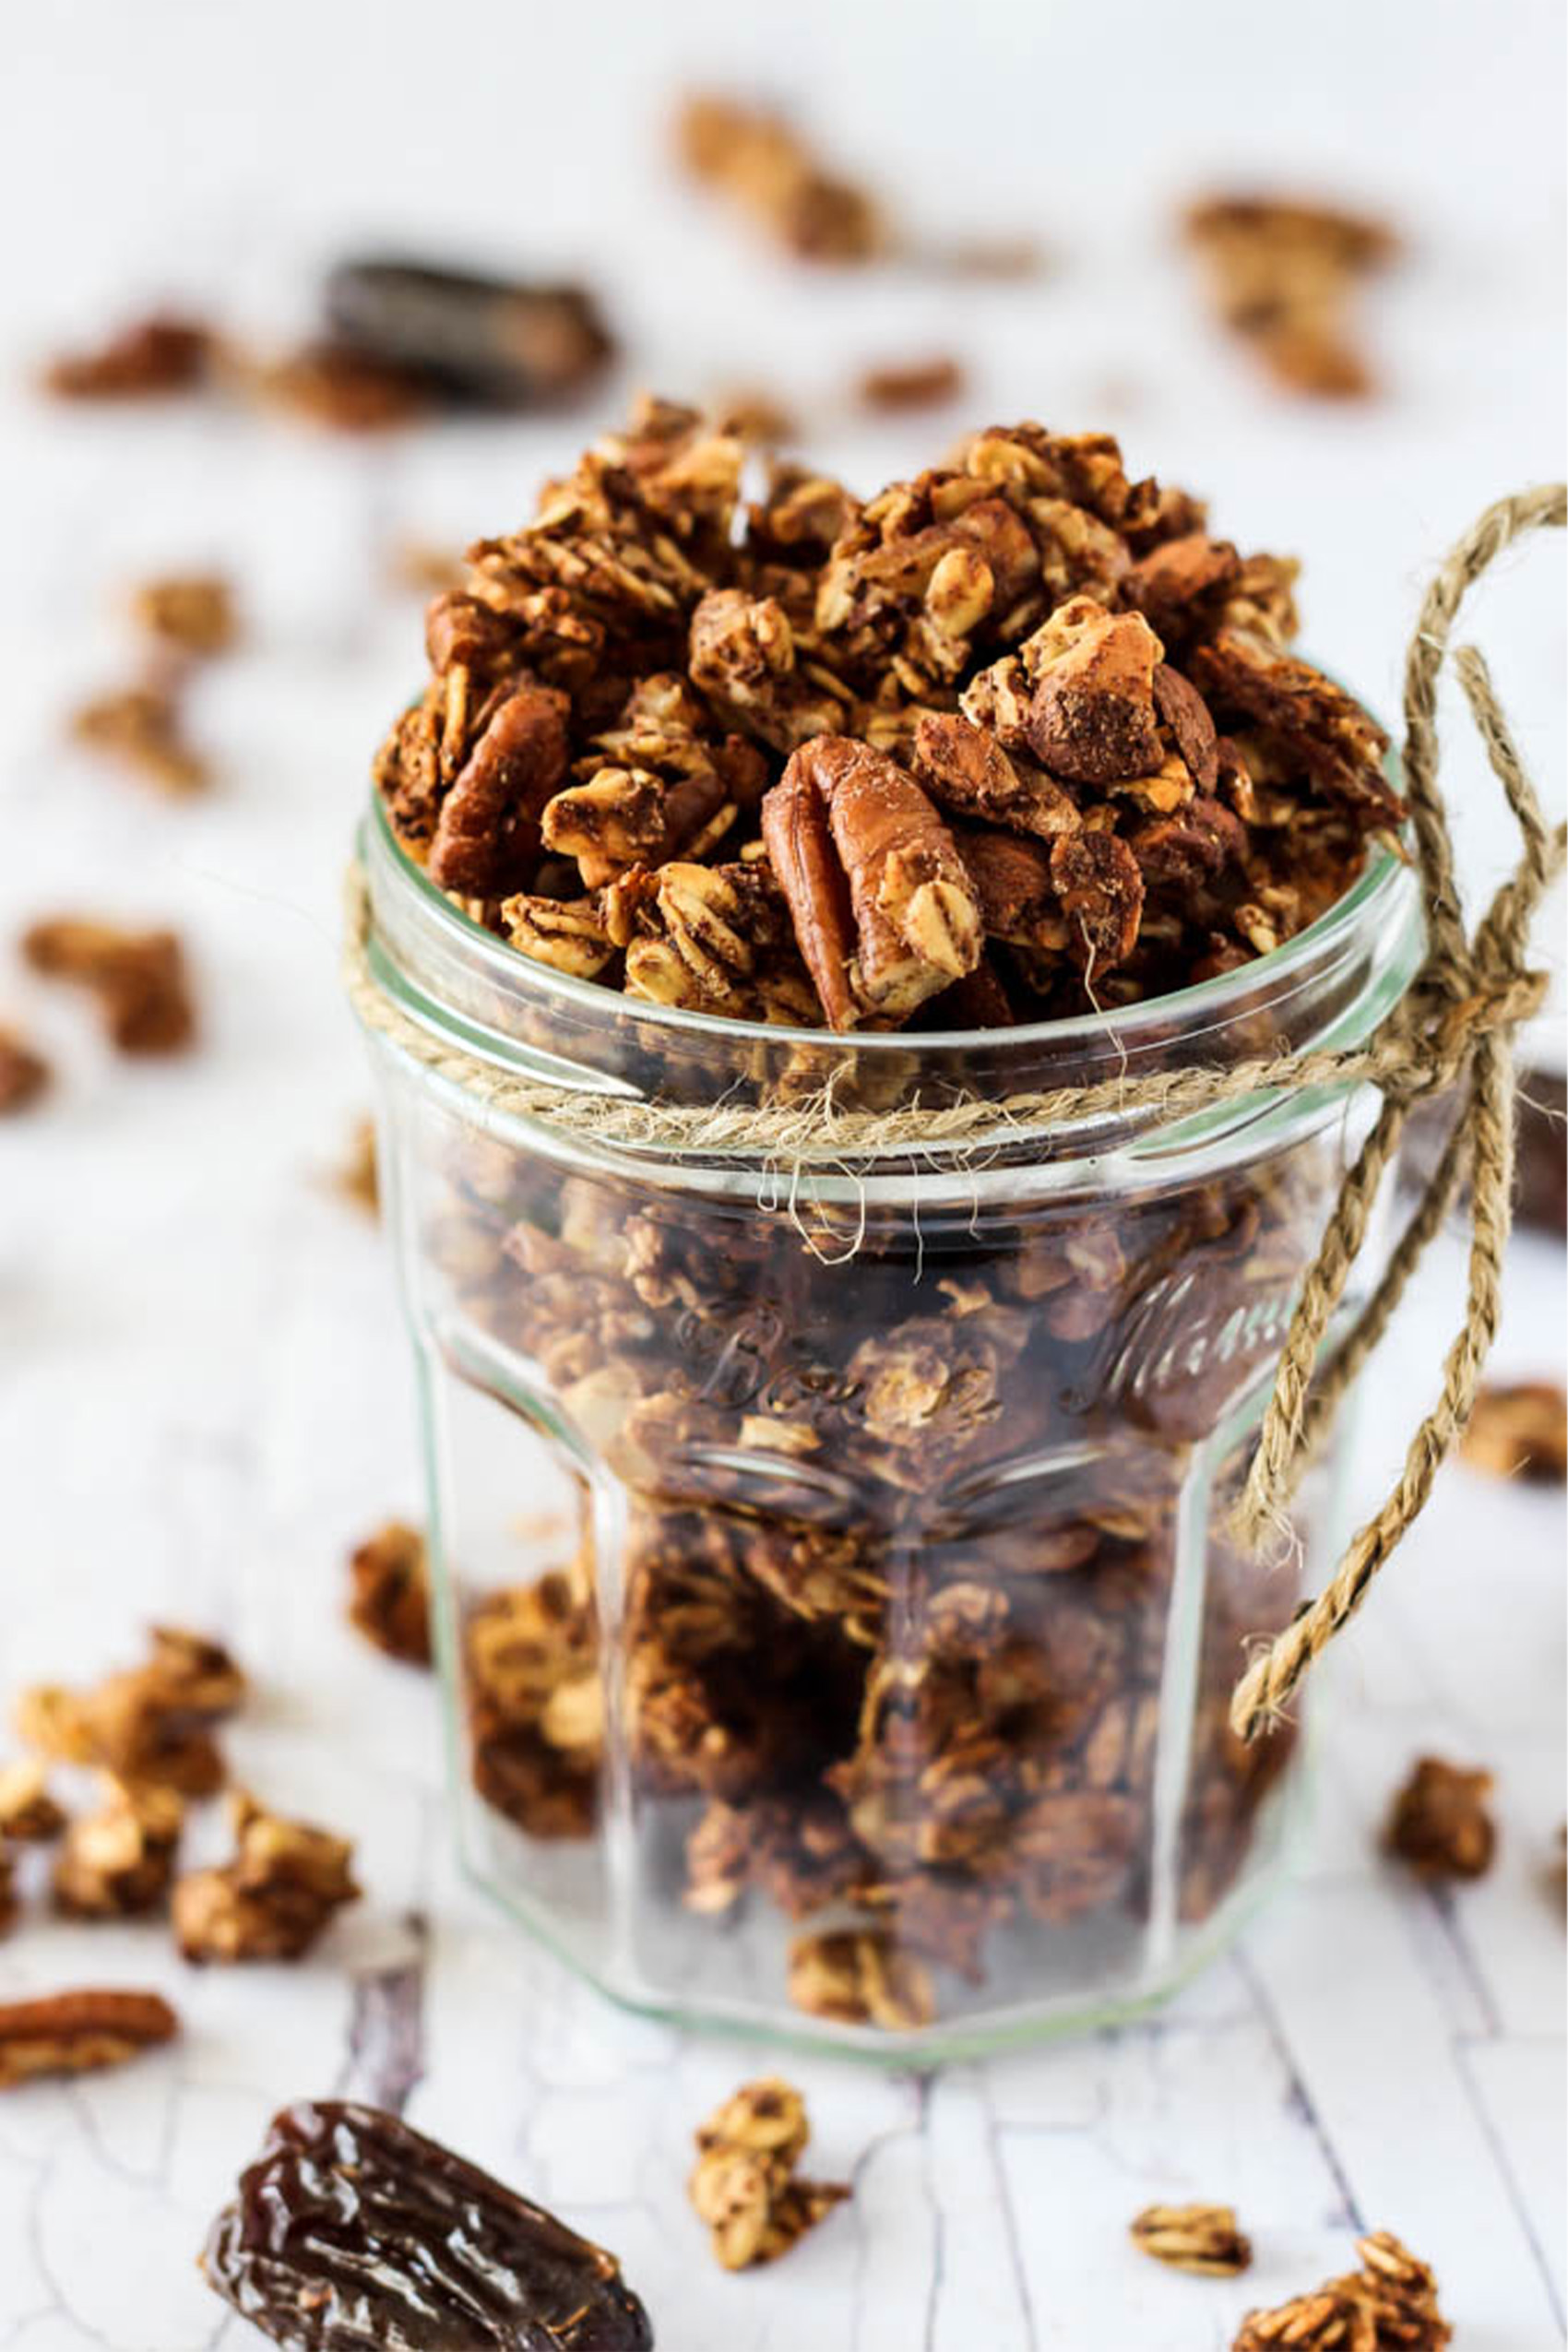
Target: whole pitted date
x=351, y=2233
x=488, y=340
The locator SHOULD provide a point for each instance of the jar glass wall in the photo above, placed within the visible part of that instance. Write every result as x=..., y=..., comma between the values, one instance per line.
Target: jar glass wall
x=837, y=1606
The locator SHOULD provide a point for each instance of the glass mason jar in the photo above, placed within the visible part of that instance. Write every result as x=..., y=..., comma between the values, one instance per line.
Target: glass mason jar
x=834, y=1599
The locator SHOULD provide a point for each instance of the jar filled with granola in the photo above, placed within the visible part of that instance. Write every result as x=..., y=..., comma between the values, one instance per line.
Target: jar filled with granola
x=833, y=1422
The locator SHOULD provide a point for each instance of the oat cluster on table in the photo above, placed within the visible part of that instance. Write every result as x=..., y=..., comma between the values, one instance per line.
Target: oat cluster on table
x=1013, y=739
x=144, y=1741
x=746, y=2185
x=1440, y=1822
x=1388, y=2305
x=1284, y=275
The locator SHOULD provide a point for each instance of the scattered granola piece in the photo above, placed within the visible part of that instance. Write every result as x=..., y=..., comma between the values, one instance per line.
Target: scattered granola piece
x=24, y=1075
x=761, y=163
x=347, y=390
x=29, y=1814
x=153, y=356
x=72, y=2033
x=1439, y=1824
x=7, y=1890
x=421, y=567
x=390, y=1602
x=356, y=1178
x=193, y=611
x=466, y=336
x=1283, y=275
x=138, y=978
x=150, y=1724
x=1389, y=2305
x=276, y=1897
x=911, y=384
x=142, y=727
x=859, y=1977
x=743, y=2184
x=1520, y=1431
x=1204, y=2239
x=117, y=1864
x=761, y=418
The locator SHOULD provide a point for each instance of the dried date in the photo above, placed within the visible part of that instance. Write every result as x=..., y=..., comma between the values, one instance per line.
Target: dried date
x=352, y=2231
x=474, y=337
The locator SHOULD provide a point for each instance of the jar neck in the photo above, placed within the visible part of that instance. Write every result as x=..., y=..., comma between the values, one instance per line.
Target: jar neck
x=1329, y=986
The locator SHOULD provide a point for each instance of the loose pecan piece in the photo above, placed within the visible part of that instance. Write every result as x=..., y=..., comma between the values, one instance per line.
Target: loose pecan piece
x=72, y=2033
x=1439, y=1824
x=1520, y=1431
x=900, y=384
x=916, y=925
x=1203, y=2238
x=488, y=828
x=743, y=2184
x=390, y=1598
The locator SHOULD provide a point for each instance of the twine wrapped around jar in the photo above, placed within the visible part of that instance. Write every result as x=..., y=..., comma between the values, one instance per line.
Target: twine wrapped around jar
x=1454, y=1027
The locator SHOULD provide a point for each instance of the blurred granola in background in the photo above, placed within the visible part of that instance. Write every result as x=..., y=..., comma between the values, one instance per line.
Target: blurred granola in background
x=1285, y=276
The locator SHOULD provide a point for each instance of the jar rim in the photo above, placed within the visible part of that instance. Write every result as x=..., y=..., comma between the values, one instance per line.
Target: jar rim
x=1375, y=890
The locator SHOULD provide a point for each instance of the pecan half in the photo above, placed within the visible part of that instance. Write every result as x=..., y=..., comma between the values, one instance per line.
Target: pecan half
x=904, y=887
x=72, y=2033
x=488, y=822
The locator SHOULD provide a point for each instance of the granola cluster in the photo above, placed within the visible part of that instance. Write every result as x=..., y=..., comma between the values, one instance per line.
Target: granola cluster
x=1390, y=2301
x=1010, y=740
x=744, y=2184
x=147, y=1733
x=898, y=1563
x=1283, y=275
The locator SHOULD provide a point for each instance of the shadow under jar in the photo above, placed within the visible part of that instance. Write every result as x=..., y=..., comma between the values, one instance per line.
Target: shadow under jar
x=835, y=1601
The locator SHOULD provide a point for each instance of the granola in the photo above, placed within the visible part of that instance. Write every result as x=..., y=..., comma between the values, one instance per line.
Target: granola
x=654, y=673
x=138, y=978
x=1390, y=2303
x=29, y=1814
x=1439, y=1824
x=24, y=1073
x=390, y=1600
x=118, y=1862
x=274, y=1900
x=761, y=164
x=194, y=613
x=1520, y=1431
x=150, y=1725
x=142, y=727
x=1202, y=2239
x=151, y=357
x=744, y=2184
x=1283, y=276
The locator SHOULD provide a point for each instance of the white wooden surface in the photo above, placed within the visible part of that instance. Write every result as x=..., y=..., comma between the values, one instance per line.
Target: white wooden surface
x=205, y=1398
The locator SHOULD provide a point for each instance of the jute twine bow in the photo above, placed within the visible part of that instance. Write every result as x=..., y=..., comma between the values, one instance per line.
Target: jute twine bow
x=1455, y=1026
